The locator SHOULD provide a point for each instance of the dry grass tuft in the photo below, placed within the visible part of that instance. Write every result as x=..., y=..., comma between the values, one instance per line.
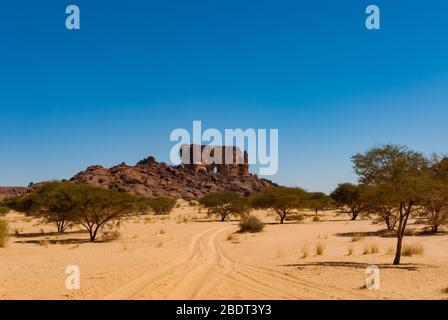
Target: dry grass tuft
x=371, y=248
x=305, y=252
x=3, y=233
x=320, y=249
x=350, y=250
x=357, y=238
x=410, y=250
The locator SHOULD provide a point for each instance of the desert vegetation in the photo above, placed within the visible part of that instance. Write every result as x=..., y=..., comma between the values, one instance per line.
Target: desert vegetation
x=4, y=229
x=225, y=203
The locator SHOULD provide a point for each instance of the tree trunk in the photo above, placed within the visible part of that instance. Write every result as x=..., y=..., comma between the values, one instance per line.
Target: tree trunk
x=398, y=252
x=354, y=214
x=282, y=218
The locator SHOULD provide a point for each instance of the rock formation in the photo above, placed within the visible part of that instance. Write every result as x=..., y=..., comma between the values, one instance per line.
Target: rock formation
x=189, y=180
x=7, y=192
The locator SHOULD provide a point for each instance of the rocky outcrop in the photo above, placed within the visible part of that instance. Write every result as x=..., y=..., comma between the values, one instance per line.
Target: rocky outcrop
x=7, y=192
x=150, y=178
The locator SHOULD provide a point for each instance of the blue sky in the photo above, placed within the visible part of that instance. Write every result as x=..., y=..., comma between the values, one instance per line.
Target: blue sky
x=115, y=89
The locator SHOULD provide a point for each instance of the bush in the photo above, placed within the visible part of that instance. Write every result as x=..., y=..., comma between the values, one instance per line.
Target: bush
x=162, y=205
x=224, y=203
x=320, y=249
x=412, y=249
x=251, y=224
x=3, y=233
x=3, y=208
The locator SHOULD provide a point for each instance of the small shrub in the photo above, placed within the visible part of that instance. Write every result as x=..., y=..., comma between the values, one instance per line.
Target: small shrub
x=305, y=252
x=162, y=205
x=316, y=219
x=445, y=290
x=162, y=231
x=3, y=233
x=356, y=238
x=320, y=249
x=251, y=224
x=412, y=249
x=371, y=248
x=350, y=250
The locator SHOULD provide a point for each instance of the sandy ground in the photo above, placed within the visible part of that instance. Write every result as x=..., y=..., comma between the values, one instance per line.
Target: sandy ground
x=187, y=256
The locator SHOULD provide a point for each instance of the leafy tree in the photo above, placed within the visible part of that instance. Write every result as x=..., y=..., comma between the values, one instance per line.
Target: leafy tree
x=280, y=199
x=162, y=205
x=349, y=195
x=401, y=173
x=376, y=200
x=53, y=202
x=96, y=208
x=318, y=201
x=224, y=203
x=67, y=204
x=435, y=202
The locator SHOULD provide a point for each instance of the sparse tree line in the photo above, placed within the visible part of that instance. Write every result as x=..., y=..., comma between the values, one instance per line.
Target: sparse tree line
x=395, y=184
x=68, y=205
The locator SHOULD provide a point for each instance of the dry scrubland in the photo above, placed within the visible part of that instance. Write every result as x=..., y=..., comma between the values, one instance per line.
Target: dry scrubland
x=186, y=255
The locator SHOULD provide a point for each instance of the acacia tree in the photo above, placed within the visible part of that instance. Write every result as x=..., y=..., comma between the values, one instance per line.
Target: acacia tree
x=376, y=200
x=349, y=195
x=224, y=203
x=401, y=173
x=280, y=199
x=96, y=208
x=317, y=201
x=53, y=202
x=435, y=203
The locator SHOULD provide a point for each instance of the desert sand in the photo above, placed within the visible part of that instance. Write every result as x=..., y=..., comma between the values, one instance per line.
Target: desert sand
x=188, y=256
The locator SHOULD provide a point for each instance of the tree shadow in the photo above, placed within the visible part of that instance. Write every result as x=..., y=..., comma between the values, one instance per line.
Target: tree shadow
x=353, y=265
x=58, y=241
x=44, y=234
x=379, y=233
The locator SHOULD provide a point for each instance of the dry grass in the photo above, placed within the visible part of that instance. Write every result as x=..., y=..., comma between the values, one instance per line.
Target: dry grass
x=357, y=238
x=305, y=252
x=232, y=238
x=410, y=250
x=320, y=249
x=44, y=243
x=390, y=251
x=3, y=233
x=350, y=250
x=371, y=248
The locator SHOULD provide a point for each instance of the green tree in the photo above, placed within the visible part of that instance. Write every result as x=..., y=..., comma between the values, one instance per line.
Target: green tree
x=162, y=205
x=348, y=195
x=224, y=203
x=401, y=173
x=376, y=200
x=318, y=201
x=280, y=199
x=96, y=208
x=53, y=202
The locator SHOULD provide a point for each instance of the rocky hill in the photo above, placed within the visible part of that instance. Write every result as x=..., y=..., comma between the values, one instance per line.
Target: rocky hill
x=7, y=192
x=150, y=178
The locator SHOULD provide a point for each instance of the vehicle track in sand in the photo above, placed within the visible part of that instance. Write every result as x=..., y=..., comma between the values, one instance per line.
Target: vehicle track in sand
x=207, y=272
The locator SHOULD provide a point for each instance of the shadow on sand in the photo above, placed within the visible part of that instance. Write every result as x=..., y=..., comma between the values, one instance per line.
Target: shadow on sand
x=353, y=265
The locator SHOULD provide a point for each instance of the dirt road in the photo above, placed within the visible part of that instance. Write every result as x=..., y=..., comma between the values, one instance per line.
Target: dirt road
x=205, y=271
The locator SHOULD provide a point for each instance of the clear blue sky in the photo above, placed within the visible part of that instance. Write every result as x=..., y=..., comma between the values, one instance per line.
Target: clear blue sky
x=136, y=70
